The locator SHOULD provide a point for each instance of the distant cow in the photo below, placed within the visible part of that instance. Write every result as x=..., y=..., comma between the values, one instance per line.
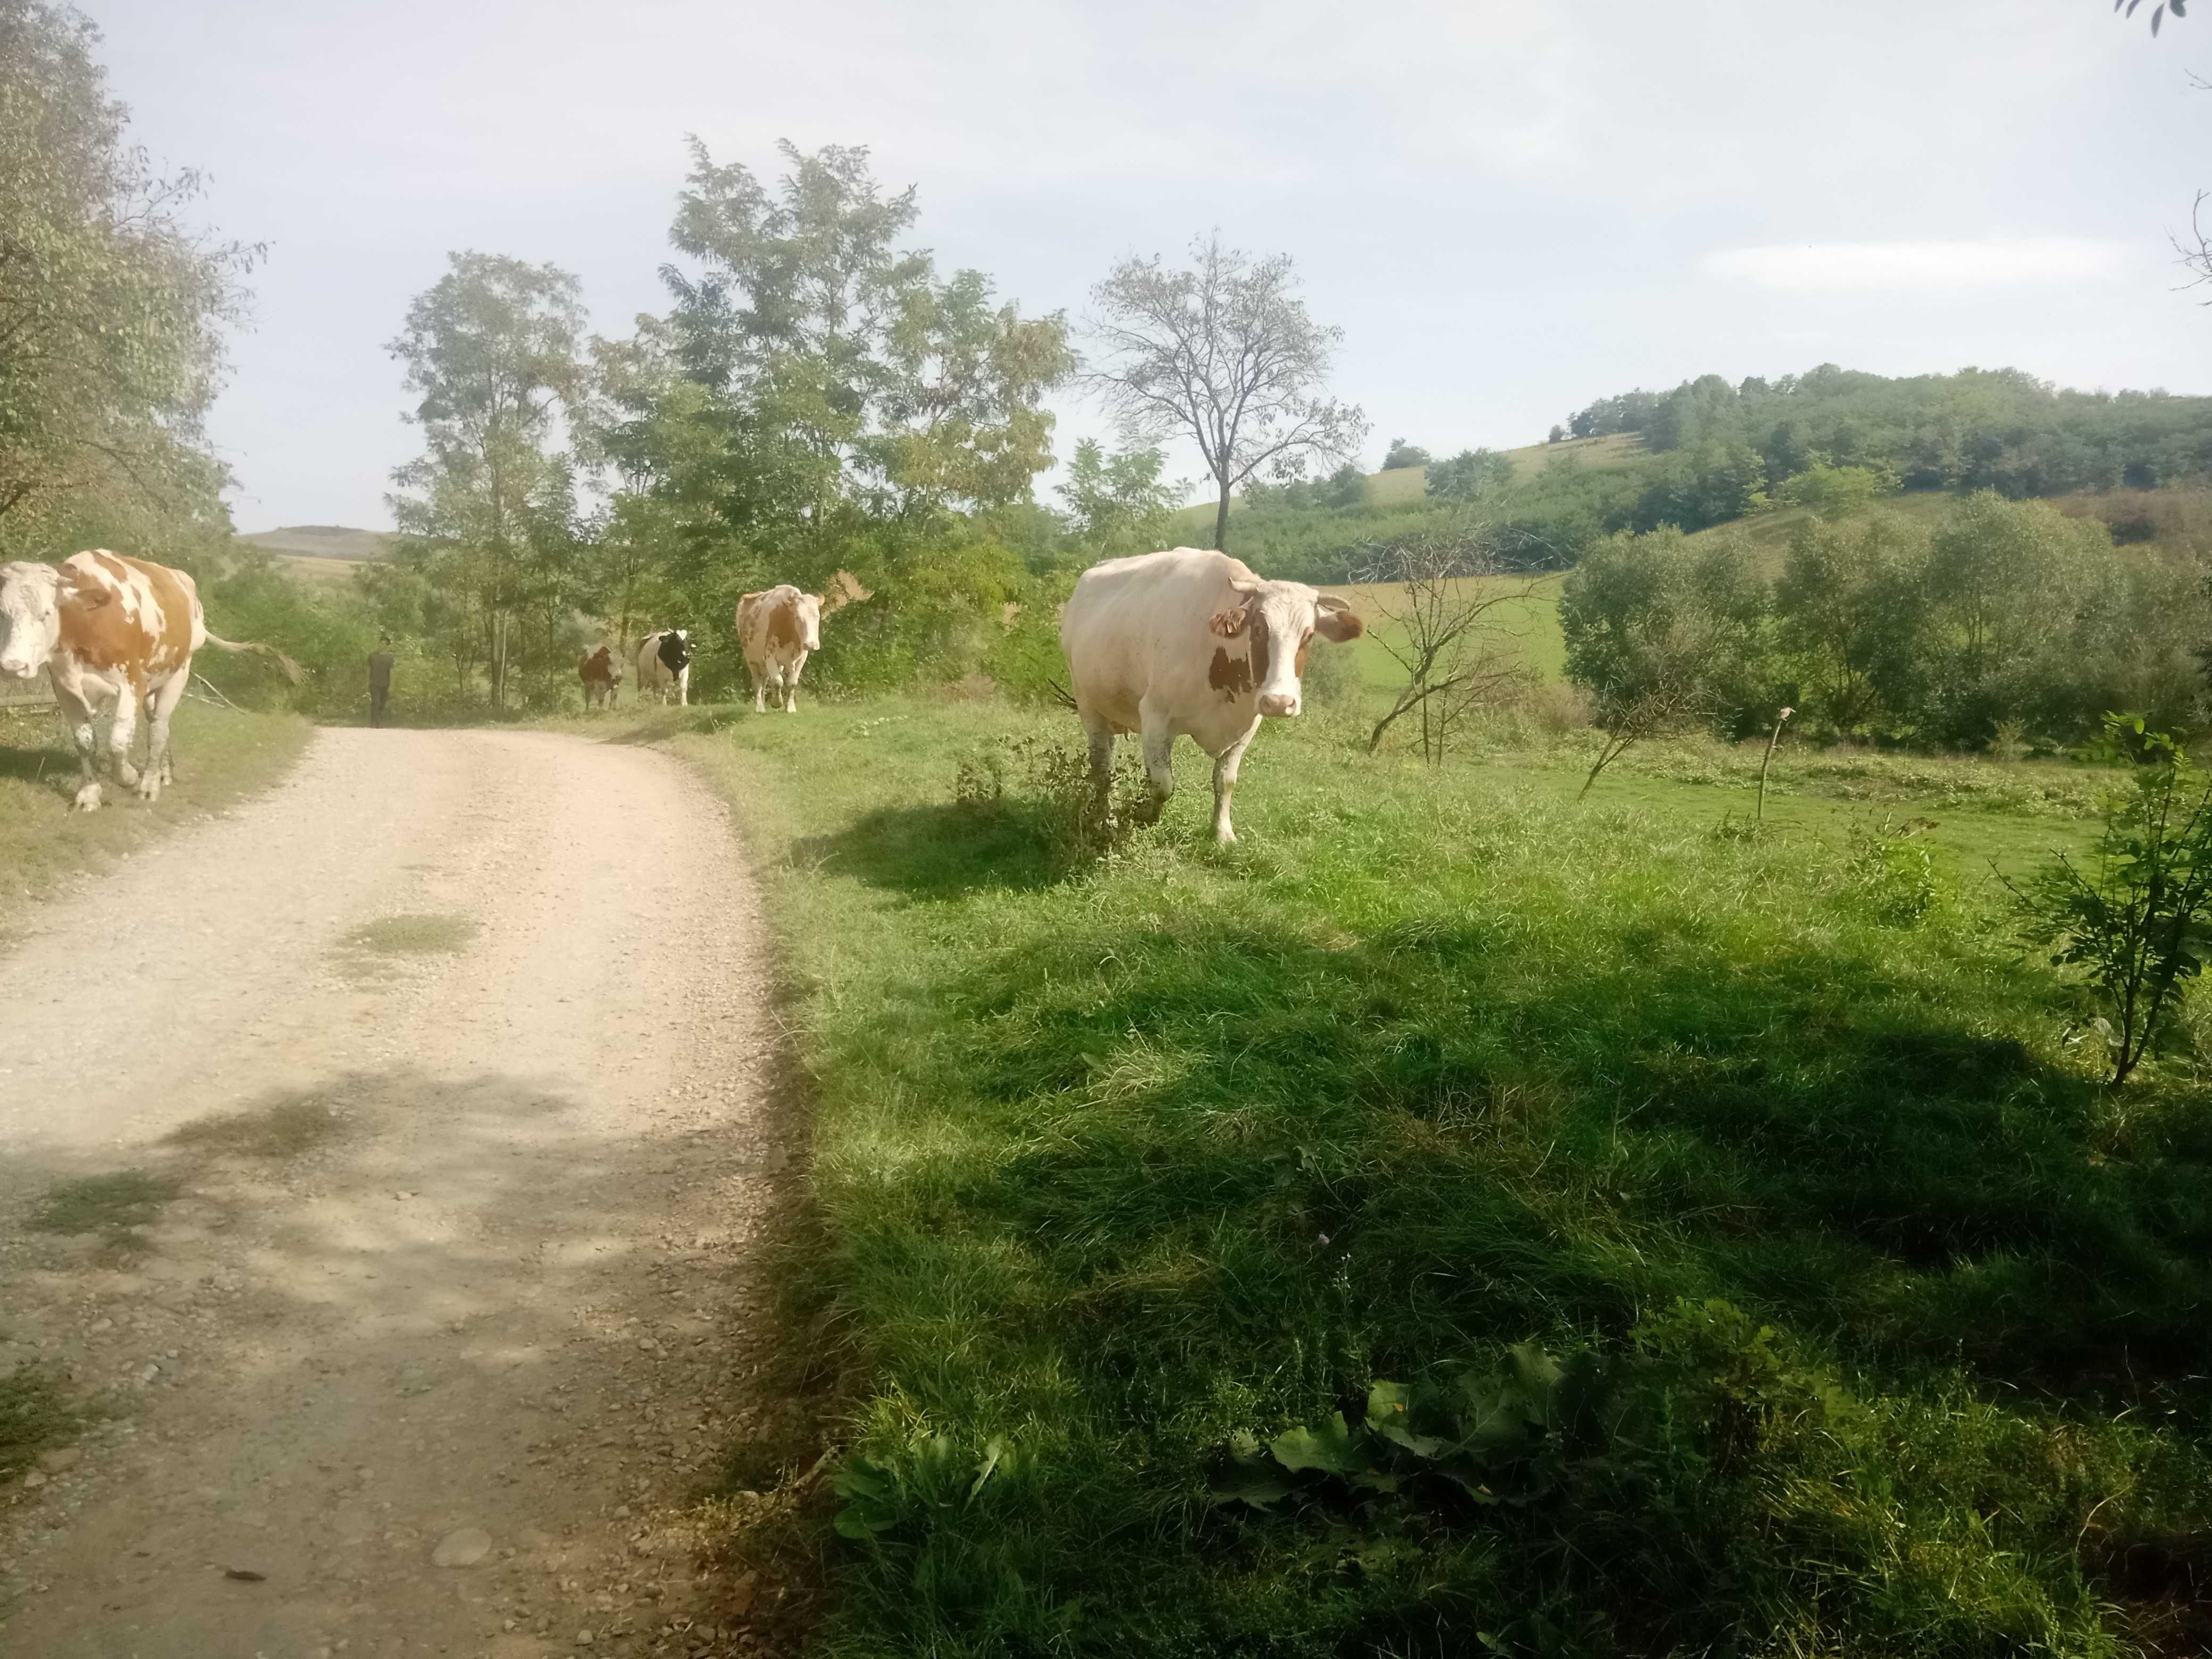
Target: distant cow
x=777, y=628
x=601, y=673
x=663, y=663
x=107, y=628
x=1189, y=643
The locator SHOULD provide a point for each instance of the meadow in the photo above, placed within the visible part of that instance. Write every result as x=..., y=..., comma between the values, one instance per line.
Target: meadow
x=1456, y=1219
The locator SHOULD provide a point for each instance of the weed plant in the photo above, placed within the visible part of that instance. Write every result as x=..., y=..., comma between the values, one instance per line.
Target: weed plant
x=1130, y=1170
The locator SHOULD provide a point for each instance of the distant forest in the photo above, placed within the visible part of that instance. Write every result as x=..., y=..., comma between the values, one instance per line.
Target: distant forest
x=1713, y=453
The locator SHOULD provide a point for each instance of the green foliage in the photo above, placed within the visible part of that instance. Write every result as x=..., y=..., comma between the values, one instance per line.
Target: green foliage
x=1118, y=504
x=1996, y=429
x=112, y=308
x=1836, y=492
x=1472, y=474
x=2135, y=926
x=1664, y=615
x=487, y=514
x=1401, y=453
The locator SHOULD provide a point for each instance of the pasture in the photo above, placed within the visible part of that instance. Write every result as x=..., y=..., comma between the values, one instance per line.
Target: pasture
x=222, y=755
x=1889, y=1324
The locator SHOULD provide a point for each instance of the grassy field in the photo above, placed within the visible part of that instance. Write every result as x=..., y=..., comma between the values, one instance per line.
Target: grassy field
x=219, y=757
x=1183, y=1209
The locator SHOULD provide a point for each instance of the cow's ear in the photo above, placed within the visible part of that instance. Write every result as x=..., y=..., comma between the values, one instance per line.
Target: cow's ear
x=1229, y=623
x=1334, y=619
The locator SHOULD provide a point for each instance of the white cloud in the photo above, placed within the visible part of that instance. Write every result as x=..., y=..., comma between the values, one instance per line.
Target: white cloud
x=1919, y=267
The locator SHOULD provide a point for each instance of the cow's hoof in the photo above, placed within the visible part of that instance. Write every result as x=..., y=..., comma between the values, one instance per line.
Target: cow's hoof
x=126, y=774
x=88, y=799
x=149, y=788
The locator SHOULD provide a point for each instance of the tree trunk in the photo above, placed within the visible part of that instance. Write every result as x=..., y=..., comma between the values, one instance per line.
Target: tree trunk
x=1221, y=520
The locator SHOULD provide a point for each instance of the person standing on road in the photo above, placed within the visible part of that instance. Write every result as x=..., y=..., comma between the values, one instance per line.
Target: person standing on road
x=379, y=679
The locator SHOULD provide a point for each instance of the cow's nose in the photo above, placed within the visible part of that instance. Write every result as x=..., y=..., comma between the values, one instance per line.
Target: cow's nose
x=1279, y=704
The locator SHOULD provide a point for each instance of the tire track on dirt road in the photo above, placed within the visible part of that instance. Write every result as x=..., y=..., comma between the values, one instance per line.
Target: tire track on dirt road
x=456, y=1301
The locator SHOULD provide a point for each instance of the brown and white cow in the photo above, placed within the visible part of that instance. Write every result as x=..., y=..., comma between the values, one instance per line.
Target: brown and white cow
x=1189, y=643
x=776, y=629
x=104, y=627
x=601, y=673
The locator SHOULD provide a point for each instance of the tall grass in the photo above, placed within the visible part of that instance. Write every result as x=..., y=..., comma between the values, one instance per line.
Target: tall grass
x=1126, y=1165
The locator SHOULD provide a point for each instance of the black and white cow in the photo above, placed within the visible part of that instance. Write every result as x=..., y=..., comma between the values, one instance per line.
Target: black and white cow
x=664, y=662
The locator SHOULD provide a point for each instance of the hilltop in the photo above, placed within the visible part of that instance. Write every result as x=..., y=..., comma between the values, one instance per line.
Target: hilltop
x=322, y=552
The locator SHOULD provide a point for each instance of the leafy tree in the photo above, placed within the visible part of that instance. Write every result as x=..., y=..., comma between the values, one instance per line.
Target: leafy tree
x=1844, y=609
x=1472, y=474
x=2136, y=924
x=1401, y=453
x=1119, y=504
x=488, y=508
x=2002, y=597
x=1836, y=492
x=1225, y=353
x=819, y=398
x=112, y=310
x=1558, y=434
x=1663, y=629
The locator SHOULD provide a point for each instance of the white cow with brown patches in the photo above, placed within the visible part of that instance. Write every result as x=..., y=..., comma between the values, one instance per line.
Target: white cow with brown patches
x=104, y=628
x=1189, y=643
x=776, y=629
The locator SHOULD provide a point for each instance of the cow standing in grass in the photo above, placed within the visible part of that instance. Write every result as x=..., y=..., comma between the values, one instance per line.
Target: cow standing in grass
x=105, y=628
x=777, y=628
x=601, y=673
x=1189, y=643
x=664, y=664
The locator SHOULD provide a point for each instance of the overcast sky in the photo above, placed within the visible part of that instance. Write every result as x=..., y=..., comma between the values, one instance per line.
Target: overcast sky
x=1510, y=208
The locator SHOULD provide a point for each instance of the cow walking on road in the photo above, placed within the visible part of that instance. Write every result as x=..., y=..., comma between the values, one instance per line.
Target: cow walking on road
x=601, y=673
x=664, y=664
x=777, y=628
x=1189, y=643
x=105, y=628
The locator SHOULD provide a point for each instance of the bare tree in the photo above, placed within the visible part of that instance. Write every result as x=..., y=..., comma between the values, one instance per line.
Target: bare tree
x=1665, y=685
x=1444, y=608
x=1226, y=354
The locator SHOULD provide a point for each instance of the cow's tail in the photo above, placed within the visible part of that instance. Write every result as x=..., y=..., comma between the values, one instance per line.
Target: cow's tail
x=285, y=665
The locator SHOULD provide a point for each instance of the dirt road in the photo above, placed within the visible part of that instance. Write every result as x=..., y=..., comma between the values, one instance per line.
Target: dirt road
x=451, y=1056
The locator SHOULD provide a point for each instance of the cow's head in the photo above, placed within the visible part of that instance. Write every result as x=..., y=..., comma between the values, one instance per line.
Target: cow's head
x=31, y=600
x=675, y=649
x=809, y=606
x=1275, y=622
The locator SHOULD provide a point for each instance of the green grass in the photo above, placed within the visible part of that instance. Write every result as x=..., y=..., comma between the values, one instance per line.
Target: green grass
x=221, y=756
x=1119, y=1164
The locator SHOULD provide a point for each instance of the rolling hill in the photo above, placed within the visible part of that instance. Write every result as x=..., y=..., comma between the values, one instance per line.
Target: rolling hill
x=322, y=552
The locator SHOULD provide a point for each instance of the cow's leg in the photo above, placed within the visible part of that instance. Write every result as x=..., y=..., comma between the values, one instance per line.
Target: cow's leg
x=1225, y=765
x=684, y=686
x=76, y=714
x=121, y=730
x=791, y=700
x=158, y=707
x=1159, y=760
